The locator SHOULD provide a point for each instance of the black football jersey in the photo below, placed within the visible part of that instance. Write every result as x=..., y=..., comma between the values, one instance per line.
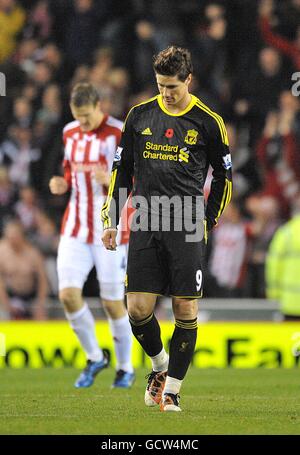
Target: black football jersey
x=165, y=154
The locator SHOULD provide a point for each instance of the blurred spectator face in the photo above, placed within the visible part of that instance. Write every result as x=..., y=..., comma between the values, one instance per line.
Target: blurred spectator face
x=22, y=135
x=27, y=47
x=269, y=61
x=214, y=11
x=29, y=91
x=172, y=89
x=45, y=225
x=82, y=6
x=7, y=5
x=28, y=196
x=119, y=78
x=217, y=23
x=13, y=233
x=22, y=108
x=269, y=207
x=52, y=55
x=265, y=208
x=104, y=56
x=51, y=98
x=42, y=74
x=98, y=74
x=232, y=213
x=144, y=30
x=288, y=102
x=88, y=116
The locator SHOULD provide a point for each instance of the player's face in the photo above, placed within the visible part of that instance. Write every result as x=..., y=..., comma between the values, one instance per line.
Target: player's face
x=172, y=90
x=88, y=116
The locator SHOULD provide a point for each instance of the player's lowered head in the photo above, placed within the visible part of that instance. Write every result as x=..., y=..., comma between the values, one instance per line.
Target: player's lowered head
x=85, y=106
x=173, y=70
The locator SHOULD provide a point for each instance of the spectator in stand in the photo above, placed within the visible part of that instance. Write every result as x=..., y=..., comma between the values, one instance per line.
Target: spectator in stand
x=265, y=220
x=19, y=155
x=146, y=46
x=283, y=266
x=254, y=101
x=12, y=19
x=210, y=49
x=46, y=239
x=278, y=153
x=8, y=196
x=82, y=27
x=39, y=21
x=289, y=48
x=245, y=173
x=227, y=262
x=4, y=301
x=22, y=112
x=27, y=209
x=22, y=274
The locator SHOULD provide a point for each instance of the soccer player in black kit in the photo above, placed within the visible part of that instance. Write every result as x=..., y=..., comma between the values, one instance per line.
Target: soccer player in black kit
x=167, y=145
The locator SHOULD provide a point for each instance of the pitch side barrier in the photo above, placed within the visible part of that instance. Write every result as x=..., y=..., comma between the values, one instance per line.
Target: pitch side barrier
x=220, y=344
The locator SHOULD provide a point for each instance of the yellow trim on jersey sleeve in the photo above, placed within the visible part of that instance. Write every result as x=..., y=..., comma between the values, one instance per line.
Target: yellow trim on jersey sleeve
x=217, y=118
x=105, y=209
x=225, y=198
x=187, y=109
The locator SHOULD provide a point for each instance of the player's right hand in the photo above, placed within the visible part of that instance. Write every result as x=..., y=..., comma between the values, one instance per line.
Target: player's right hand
x=58, y=185
x=109, y=239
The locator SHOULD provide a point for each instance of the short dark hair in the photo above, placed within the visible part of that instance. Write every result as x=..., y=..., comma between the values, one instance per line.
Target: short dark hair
x=173, y=61
x=84, y=93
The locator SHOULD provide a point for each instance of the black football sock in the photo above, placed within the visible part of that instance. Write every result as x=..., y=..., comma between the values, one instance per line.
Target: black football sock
x=147, y=332
x=182, y=347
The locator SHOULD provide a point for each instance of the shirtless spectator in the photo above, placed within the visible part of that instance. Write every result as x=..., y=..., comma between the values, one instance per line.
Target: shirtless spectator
x=22, y=272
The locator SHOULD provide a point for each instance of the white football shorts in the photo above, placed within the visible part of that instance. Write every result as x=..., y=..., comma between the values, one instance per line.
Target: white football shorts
x=76, y=259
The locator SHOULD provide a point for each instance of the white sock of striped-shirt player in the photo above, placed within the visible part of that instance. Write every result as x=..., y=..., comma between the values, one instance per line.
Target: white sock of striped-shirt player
x=83, y=324
x=122, y=336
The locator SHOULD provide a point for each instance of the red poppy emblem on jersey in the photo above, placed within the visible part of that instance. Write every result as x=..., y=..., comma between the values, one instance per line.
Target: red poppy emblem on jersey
x=169, y=133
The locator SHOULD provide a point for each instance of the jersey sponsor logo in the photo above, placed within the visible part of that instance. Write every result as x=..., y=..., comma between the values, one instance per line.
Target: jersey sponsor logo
x=184, y=155
x=84, y=167
x=161, y=147
x=159, y=156
x=178, y=154
x=118, y=154
x=227, y=161
x=191, y=137
x=147, y=132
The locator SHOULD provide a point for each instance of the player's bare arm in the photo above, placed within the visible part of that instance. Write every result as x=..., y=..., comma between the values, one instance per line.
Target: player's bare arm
x=58, y=185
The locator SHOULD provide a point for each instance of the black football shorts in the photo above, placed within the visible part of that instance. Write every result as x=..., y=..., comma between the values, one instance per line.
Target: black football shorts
x=164, y=263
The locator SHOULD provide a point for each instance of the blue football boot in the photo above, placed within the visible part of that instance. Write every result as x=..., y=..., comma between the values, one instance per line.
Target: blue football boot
x=86, y=378
x=123, y=379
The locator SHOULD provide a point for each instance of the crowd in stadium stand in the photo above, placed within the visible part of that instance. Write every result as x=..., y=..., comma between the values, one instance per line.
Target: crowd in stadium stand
x=244, y=54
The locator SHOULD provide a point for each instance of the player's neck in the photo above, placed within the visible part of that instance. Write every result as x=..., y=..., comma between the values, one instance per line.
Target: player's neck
x=99, y=121
x=181, y=105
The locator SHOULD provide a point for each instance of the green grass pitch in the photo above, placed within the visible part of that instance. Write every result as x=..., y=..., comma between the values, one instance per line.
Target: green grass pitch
x=226, y=401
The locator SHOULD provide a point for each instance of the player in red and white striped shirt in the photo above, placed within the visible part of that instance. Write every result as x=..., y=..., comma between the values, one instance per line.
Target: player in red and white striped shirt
x=90, y=143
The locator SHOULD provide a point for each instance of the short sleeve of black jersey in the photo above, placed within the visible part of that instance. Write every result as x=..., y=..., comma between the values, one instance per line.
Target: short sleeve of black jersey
x=121, y=176
x=220, y=160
